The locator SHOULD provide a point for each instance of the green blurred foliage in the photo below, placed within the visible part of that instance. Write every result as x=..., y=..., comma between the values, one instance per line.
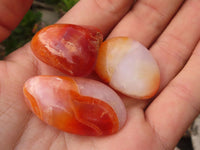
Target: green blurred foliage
x=51, y=1
x=65, y=5
x=23, y=33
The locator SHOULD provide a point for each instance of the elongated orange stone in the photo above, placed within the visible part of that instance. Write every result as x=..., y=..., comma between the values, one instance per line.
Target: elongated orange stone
x=69, y=105
x=70, y=48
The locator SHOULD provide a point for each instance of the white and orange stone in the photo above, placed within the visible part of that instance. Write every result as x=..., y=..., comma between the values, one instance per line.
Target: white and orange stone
x=128, y=67
x=75, y=105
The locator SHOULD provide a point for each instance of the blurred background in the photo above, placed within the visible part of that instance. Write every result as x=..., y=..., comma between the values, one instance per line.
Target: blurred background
x=46, y=12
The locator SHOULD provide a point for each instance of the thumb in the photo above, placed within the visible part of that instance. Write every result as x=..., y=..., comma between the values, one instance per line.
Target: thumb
x=11, y=13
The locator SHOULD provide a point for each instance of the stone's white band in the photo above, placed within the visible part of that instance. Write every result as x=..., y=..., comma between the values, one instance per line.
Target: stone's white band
x=89, y=88
x=136, y=73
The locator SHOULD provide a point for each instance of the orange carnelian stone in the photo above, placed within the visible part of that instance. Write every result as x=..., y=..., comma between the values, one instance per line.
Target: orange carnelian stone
x=57, y=101
x=70, y=48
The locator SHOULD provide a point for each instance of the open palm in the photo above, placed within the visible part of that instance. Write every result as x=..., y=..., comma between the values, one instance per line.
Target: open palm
x=170, y=29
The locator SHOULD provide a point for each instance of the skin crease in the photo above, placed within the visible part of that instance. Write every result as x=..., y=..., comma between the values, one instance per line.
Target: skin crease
x=174, y=25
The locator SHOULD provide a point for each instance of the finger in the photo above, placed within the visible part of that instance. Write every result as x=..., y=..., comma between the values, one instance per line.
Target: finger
x=175, y=45
x=103, y=14
x=147, y=20
x=11, y=13
x=177, y=106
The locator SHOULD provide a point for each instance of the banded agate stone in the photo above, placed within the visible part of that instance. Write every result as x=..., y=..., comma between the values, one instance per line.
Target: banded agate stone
x=75, y=105
x=128, y=67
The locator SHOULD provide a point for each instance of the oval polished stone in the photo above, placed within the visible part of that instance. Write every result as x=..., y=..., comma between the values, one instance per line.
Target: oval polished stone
x=70, y=48
x=128, y=67
x=75, y=105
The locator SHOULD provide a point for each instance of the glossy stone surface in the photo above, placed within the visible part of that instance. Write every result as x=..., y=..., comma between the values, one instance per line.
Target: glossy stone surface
x=70, y=48
x=128, y=67
x=75, y=105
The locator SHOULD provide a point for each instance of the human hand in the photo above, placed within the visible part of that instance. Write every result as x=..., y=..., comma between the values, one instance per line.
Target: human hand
x=171, y=34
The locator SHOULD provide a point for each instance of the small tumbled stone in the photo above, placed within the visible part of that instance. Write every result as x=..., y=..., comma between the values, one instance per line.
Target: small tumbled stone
x=70, y=48
x=75, y=105
x=128, y=67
